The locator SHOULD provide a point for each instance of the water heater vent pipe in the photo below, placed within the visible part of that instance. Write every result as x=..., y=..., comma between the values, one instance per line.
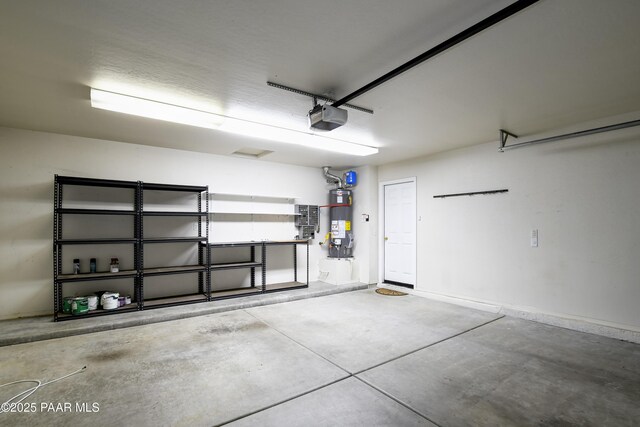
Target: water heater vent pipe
x=331, y=178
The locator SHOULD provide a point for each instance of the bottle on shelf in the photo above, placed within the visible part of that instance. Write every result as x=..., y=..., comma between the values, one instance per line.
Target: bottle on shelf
x=92, y=265
x=115, y=265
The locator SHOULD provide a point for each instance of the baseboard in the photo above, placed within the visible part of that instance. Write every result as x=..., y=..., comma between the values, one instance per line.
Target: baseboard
x=577, y=324
x=28, y=315
x=444, y=298
x=580, y=324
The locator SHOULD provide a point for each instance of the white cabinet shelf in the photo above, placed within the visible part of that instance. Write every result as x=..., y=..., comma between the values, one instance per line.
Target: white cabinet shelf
x=251, y=204
x=255, y=197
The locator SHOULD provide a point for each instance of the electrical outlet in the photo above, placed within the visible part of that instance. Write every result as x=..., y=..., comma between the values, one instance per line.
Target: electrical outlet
x=534, y=238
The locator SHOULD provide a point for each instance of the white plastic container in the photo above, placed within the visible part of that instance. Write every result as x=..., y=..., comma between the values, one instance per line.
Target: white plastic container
x=93, y=302
x=109, y=300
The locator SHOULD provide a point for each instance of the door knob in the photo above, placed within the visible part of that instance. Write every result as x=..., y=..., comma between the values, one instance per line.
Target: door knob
x=386, y=238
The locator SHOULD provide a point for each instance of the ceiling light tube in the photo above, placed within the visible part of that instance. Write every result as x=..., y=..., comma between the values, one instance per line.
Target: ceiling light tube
x=153, y=109
x=172, y=113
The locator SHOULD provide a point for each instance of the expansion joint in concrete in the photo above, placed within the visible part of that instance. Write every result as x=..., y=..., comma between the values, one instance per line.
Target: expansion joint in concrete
x=355, y=375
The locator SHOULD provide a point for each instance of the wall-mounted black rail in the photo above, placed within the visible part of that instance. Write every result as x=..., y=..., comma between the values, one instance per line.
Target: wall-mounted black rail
x=473, y=193
x=447, y=44
x=504, y=135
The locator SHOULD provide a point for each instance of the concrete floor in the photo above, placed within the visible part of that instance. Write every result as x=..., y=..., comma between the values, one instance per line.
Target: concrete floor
x=355, y=358
x=18, y=331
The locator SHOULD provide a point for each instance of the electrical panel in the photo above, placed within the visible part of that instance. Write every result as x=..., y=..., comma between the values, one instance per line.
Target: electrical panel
x=307, y=220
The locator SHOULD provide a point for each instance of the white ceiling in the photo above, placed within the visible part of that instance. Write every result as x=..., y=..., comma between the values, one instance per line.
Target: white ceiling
x=557, y=63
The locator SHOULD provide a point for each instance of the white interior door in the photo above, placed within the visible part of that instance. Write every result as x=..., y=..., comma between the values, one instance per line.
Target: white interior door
x=400, y=233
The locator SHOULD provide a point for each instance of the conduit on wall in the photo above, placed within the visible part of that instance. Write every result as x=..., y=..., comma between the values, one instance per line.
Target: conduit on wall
x=504, y=135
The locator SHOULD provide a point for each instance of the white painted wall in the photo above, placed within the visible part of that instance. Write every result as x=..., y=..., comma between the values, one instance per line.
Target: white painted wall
x=365, y=202
x=29, y=160
x=583, y=195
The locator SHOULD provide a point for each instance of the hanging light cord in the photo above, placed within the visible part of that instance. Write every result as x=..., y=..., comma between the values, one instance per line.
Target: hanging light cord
x=33, y=389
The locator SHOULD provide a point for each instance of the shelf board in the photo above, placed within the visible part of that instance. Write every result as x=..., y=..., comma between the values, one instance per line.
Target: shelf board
x=255, y=213
x=232, y=265
x=102, y=275
x=95, y=211
x=286, y=242
x=102, y=241
x=169, y=213
x=100, y=312
x=174, y=300
x=95, y=182
x=174, y=239
x=173, y=187
x=253, y=197
x=285, y=285
x=226, y=293
x=173, y=270
x=233, y=244
x=257, y=243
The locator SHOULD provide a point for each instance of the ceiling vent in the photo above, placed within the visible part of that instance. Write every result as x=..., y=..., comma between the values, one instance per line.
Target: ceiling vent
x=251, y=153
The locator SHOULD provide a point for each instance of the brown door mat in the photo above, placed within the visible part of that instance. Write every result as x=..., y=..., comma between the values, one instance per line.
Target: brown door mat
x=383, y=291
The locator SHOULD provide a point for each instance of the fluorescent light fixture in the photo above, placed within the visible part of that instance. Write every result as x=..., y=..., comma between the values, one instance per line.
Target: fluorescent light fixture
x=172, y=113
x=153, y=110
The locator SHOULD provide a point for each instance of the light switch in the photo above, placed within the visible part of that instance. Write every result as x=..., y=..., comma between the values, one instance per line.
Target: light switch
x=534, y=238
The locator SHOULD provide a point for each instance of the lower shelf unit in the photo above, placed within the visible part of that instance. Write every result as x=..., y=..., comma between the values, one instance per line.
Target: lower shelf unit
x=201, y=296
x=174, y=300
x=252, y=263
x=80, y=278
x=100, y=312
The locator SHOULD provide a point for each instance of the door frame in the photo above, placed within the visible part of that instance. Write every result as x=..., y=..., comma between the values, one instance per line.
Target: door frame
x=381, y=215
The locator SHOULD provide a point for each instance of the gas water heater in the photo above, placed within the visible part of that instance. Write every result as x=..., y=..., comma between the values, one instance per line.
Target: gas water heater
x=341, y=214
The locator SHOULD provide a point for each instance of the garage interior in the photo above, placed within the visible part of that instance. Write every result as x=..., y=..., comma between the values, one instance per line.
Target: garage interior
x=347, y=213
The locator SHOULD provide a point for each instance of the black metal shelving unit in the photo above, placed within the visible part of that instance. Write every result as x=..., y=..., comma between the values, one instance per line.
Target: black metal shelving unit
x=276, y=287
x=60, y=242
x=135, y=238
x=252, y=264
x=138, y=240
x=201, y=215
